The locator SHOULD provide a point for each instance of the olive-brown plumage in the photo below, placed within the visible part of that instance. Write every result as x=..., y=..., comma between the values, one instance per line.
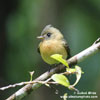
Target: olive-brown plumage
x=52, y=43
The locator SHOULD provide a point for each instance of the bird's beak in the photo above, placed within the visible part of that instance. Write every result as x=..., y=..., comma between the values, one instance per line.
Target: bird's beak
x=40, y=37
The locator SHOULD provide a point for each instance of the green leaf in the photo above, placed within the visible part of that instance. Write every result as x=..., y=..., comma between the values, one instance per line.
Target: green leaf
x=47, y=85
x=71, y=70
x=59, y=58
x=65, y=96
x=61, y=79
x=31, y=75
x=78, y=74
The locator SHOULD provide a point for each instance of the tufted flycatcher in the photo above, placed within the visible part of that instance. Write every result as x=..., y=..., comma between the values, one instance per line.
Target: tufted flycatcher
x=52, y=42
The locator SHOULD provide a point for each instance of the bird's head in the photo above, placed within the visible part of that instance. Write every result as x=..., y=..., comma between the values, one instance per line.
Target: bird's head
x=50, y=33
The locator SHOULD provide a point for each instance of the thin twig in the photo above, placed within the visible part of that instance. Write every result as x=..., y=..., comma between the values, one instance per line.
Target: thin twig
x=32, y=82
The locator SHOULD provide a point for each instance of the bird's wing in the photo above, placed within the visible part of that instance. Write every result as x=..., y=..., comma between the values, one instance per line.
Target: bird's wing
x=67, y=48
x=38, y=49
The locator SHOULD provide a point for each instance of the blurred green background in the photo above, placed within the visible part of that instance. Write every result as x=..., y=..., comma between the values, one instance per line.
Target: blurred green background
x=21, y=21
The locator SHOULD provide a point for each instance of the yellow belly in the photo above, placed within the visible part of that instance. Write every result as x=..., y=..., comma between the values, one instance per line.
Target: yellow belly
x=48, y=48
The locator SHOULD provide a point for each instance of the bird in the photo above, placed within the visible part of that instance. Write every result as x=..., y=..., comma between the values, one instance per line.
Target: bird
x=52, y=42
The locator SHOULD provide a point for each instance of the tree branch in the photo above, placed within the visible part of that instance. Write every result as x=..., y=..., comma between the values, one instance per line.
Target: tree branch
x=48, y=81
x=72, y=61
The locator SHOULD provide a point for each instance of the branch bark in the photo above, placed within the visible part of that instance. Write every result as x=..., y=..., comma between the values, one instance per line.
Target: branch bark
x=24, y=91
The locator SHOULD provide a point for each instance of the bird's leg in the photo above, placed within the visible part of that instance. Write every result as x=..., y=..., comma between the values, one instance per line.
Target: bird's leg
x=50, y=67
x=53, y=65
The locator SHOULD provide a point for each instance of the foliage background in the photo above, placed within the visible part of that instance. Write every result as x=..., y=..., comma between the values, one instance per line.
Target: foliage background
x=21, y=21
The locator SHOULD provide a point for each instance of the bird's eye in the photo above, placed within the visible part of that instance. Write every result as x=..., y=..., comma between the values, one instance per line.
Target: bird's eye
x=48, y=34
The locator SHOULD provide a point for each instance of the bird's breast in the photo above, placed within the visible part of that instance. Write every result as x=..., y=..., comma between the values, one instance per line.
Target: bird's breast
x=48, y=48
